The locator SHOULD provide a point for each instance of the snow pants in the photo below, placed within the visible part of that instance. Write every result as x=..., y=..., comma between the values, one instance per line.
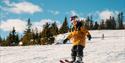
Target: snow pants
x=77, y=50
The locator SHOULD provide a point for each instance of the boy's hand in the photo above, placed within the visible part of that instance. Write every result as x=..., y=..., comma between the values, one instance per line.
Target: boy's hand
x=65, y=41
x=89, y=37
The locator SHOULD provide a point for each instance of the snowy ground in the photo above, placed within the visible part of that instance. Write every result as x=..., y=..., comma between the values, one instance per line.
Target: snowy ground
x=111, y=49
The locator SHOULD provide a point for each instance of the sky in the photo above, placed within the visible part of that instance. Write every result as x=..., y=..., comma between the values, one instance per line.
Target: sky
x=15, y=13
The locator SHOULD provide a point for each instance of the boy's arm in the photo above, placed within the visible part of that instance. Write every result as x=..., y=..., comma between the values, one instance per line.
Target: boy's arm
x=87, y=33
x=68, y=37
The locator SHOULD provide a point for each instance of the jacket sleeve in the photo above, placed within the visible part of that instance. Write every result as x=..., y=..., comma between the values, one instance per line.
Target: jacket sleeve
x=69, y=36
x=87, y=33
x=89, y=36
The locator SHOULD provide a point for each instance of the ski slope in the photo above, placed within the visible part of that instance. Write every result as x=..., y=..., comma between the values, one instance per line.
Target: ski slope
x=111, y=49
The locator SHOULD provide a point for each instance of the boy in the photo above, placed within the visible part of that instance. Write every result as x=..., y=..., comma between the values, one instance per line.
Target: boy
x=77, y=37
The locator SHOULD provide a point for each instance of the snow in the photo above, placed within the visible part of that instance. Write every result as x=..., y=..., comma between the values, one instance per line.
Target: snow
x=59, y=38
x=111, y=49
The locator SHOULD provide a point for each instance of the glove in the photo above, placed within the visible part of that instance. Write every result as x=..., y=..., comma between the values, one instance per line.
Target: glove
x=89, y=37
x=65, y=41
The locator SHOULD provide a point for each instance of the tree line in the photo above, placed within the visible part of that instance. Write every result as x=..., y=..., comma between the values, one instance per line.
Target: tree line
x=50, y=30
x=111, y=23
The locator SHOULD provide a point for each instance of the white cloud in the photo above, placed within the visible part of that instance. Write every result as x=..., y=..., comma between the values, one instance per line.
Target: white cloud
x=25, y=7
x=54, y=12
x=107, y=13
x=3, y=8
x=6, y=2
x=19, y=25
x=3, y=14
x=22, y=7
x=39, y=25
x=82, y=18
x=73, y=13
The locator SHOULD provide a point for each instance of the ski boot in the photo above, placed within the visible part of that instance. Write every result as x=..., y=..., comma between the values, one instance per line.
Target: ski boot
x=79, y=60
x=73, y=59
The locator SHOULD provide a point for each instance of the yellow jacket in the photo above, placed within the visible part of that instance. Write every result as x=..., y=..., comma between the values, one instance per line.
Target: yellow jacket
x=78, y=37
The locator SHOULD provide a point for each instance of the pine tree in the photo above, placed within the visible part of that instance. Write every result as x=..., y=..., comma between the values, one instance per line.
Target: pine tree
x=17, y=39
x=91, y=23
x=26, y=39
x=87, y=23
x=29, y=26
x=96, y=26
x=9, y=39
x=120, y=20
x=113, y=23
x=64, y=28
x=39, y=38
x=1, y=40
x=27, y=34
x=108, y=24
x=12, y=39
x=5, y=42
x=45, y=32
x=46, y=35
x=102, y=25
x=35, y=37
x=13, y=36
x=54, y=29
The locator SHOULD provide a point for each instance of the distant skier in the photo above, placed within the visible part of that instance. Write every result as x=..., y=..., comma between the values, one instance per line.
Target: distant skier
x=77, y=37
x=102, y=36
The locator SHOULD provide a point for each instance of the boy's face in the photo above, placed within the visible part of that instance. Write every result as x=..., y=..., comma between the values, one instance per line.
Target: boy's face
x=74, y=22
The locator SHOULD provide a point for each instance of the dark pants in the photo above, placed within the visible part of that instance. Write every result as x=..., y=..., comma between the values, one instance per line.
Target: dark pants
x=77, y=50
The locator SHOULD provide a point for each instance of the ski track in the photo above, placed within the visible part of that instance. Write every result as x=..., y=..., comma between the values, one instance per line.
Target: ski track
x=108, y=50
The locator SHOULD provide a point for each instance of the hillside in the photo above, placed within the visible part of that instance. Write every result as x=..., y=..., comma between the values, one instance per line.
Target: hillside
x=111, y=49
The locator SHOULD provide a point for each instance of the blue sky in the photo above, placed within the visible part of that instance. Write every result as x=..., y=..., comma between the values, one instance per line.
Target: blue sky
x=12, y=11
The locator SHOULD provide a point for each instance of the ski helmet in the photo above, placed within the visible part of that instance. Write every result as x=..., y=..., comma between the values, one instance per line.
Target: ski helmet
x=73, y=17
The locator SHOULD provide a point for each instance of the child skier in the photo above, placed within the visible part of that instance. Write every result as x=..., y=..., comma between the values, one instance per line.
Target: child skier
x=77, y=37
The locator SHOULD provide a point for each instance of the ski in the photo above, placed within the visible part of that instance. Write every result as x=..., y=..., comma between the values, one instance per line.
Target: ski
x=78, y=62
x=61, y=61
x=67, y=61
